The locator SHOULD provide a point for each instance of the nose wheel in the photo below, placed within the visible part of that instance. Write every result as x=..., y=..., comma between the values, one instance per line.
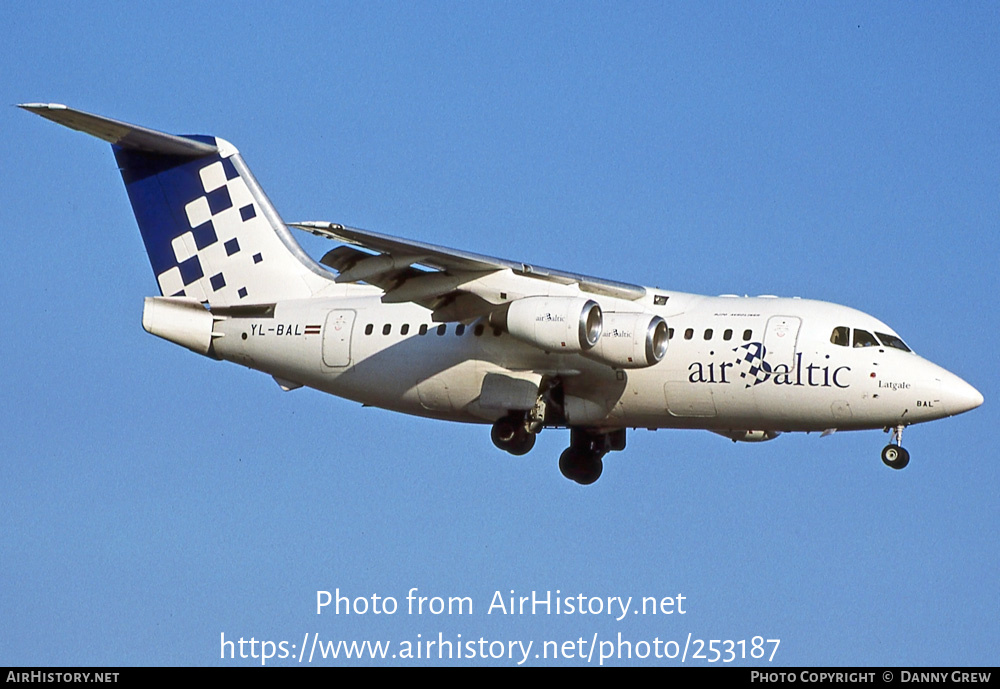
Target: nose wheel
x=894, y=455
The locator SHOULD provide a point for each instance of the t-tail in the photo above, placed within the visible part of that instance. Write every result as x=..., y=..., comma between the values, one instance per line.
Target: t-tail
x=211, y=234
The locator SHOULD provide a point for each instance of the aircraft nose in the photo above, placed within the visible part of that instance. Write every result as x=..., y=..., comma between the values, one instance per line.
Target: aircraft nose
x=960, y=396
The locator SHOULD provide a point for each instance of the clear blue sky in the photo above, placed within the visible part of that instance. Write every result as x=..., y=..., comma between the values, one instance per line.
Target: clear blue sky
x=151, y=499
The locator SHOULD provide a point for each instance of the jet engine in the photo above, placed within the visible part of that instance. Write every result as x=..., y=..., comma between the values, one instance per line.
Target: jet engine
x=631, y=340
x=566, y=325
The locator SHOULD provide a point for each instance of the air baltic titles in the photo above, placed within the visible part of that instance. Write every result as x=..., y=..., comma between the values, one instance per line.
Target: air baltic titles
x=448, y=334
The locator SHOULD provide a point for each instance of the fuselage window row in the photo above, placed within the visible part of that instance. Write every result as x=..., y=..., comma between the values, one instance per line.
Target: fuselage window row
x=727, y=335
x=441, y=330
x=709, y=332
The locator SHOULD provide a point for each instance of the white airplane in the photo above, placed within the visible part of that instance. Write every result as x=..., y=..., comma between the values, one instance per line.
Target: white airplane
x=447, y=334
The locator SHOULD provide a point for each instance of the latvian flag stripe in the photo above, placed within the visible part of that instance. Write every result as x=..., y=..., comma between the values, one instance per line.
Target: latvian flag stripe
x=312, y=330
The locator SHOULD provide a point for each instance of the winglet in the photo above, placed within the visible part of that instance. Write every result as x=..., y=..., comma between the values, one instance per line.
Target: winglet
x=121, y=134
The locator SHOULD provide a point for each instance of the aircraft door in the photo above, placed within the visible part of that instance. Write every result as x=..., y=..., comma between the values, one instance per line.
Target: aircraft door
x=689, y=399
x=780, y=338
x=337, y=338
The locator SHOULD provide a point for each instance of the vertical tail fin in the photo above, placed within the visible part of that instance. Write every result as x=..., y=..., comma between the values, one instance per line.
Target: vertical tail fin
x=210, y=231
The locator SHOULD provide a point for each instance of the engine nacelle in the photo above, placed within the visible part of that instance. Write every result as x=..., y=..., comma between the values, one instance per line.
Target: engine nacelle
x=567, y=325
x=631, y=340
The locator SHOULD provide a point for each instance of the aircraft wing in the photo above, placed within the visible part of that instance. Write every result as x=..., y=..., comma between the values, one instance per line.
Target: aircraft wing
x=433, y=275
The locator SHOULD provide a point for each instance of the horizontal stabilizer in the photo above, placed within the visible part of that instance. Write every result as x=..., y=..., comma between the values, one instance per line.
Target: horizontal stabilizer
x=121, y=134
x=210, y=232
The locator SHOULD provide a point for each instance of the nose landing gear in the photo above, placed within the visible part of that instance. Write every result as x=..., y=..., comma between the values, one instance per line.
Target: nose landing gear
x=893, y=454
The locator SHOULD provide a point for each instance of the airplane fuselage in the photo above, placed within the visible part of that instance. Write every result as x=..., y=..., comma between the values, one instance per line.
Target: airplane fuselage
x=445, y=333
x=397, y=357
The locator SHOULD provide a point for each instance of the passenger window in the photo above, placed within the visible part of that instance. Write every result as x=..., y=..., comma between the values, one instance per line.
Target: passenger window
x=708, y=334
x=479, y=329
x=460, y=329
x=442, y=329
x=689, y=333
x=369, y=328
x=841, y=336
x=892, y=341
x=728, y=335
x=670, y=333
x=405, y=329
x=863, y=338
x=747, y=334
x=423, y=329
x=387, y=328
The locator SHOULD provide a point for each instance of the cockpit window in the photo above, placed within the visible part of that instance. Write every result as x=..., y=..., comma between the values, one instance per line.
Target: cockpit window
x=863, y=338
x=841, y=336
x=892, y=341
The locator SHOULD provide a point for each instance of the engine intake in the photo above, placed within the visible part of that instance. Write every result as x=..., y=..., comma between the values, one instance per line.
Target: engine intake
x=631, y=340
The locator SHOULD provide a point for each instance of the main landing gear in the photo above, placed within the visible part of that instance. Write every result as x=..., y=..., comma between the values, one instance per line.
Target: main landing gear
x=515, y=432
x=893, y=454
x=511, y=435
x=583, y=460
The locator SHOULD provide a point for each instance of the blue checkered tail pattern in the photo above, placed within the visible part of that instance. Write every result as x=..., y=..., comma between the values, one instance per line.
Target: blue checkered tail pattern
x=210, y=231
